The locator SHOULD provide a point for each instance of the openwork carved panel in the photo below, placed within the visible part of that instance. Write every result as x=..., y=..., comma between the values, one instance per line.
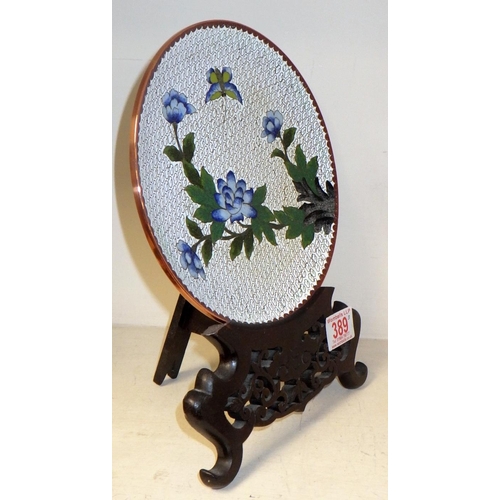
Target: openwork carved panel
x=284, y=379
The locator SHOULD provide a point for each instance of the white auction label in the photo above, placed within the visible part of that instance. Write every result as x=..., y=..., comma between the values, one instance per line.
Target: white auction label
x=339, y=328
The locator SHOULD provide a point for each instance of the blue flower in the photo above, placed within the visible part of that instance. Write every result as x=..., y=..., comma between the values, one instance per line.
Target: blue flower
x=190, y=261
x=272, y=123
x=234, y=199
x=175, y=106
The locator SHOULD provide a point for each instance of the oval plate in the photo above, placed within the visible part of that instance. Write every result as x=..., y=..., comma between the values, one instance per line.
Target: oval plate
x=233, y=174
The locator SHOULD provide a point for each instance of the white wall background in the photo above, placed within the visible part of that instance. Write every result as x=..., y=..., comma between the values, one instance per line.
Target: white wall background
x=340, y=48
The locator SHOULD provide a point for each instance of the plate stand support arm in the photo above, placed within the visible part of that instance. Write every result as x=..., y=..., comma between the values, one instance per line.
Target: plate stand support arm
x=185, y=320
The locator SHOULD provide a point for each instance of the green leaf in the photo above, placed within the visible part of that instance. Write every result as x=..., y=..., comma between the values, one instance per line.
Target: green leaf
x=206, y=251
x=293, y=218
x=217, y=230
x=307, y=235
x=207, y=182
x=194, y=229
x=248, y=243
x=295, y=214
x=288, y=136
x=257, y=228
x=264, y=214
x=293, y=171
x=278, y=152
x=236, y=246
x=300, y=158
x=261, y=225
x=311, y=172
x=259, y=195
x=282, y=217
x=191, y=173
x=203, y=214
x=173, y=153
x=188, y=146
x=311, y=182
x=294, y=231
x=200, y=196
x=269, y=234
x=312, y=166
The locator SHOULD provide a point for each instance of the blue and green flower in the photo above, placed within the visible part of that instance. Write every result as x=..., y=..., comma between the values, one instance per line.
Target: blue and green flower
x=234, y=200
x=176, y=106
x=189, y=260
x=272, y=123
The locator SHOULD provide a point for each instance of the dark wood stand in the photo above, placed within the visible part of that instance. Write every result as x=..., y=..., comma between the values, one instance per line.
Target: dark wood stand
x=265, y=372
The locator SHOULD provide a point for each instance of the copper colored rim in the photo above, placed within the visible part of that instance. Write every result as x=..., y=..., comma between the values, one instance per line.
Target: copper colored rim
x=134, y=165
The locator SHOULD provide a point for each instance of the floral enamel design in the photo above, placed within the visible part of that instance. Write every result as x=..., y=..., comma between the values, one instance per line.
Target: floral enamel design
x=189, y=260
x=272, y=123
x=234, y=199
x=176, y=107
x=234, y=214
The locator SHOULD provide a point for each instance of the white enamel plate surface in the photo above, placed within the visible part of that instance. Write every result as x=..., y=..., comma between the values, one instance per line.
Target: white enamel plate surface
x=233, y=174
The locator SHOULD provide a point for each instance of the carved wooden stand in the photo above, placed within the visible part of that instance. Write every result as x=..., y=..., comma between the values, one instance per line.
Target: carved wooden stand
x=265, y=372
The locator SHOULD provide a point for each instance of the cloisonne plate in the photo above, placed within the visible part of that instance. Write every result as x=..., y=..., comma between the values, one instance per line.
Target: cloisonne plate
x=233, y=174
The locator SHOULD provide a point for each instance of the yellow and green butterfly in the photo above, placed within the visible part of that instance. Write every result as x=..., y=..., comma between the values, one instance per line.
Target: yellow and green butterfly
x=221, y=86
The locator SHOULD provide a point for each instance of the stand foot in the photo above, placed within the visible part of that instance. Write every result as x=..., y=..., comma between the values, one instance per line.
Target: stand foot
x=200, y=407
x=355, y=378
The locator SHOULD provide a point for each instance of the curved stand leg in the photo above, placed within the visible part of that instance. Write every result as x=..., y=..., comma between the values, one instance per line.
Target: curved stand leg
x=199, y=408
x=266, y=372
x=204, y=407
x=357, y=372
x=186, y=319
